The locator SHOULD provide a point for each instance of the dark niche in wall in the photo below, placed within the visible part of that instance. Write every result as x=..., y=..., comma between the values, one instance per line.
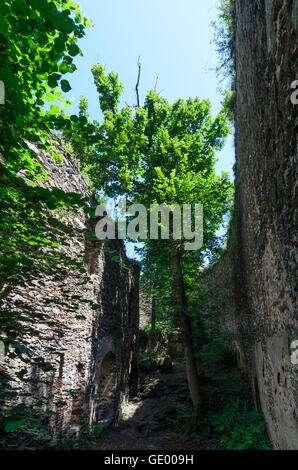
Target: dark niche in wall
x=107, y=390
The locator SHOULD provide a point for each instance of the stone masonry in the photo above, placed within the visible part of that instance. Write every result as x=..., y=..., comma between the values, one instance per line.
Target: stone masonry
x=256, y=275
x=95, y=361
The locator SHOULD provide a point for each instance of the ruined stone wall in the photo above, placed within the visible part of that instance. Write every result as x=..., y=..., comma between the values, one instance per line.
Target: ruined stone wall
x=145, y=308
x=95, y=361
x=258, y=269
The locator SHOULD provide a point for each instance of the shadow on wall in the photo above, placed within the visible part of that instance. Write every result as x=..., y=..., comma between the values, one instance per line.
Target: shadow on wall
x=107, y=391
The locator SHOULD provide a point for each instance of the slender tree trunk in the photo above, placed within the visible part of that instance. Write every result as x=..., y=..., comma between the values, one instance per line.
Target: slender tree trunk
x=153, y=313
x=186, y=327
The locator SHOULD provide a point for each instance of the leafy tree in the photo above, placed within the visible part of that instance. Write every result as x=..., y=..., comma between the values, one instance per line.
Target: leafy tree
x=161, y=153
x=157, y=282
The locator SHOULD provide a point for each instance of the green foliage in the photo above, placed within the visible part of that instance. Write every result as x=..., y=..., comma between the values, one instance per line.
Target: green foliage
x=166, y=152
x=159, y=153
x=224, y=38
x=240, y=429
x=38, y=42
x=166, y=327
x=144, y=356
x=24, y=427
x=88, y=438
x=185, y=416
x=224, y=41
x=157, y=285
x=149, y=361
x=109, y=88
x=228, y=104
x=214, y=355
x=230, y=421
x=153, y=353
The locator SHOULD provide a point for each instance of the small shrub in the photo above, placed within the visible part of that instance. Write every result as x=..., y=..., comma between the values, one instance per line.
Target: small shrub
x=89, y=437
x=231, y=421
x=149, y=361
x=215, y=354
x=25, y=427
x=240, y=429
x=184, y=416
x=166, y=326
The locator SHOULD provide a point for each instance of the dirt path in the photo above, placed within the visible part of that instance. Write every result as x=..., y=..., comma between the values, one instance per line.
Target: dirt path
x=145, y=424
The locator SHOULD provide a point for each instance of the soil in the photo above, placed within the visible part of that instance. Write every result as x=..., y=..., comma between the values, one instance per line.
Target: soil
x=149, y=420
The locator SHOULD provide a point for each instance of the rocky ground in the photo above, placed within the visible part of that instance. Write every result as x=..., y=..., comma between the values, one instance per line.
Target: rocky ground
x=149, y=421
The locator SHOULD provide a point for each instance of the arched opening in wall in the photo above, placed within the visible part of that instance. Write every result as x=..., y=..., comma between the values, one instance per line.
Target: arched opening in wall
x=107, y=390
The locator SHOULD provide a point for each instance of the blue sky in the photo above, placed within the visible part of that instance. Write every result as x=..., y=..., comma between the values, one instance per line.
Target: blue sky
x=174, y=41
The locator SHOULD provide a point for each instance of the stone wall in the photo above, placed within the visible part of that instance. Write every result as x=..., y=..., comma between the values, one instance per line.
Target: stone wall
x=257, y=272
x=145, y=309
x=95, y=361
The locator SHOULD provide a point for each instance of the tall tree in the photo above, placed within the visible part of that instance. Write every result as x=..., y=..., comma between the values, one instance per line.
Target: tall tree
x=161, y=153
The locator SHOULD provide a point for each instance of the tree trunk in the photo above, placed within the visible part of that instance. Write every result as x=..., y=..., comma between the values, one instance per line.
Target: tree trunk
x=186, y=327
x=153, y=313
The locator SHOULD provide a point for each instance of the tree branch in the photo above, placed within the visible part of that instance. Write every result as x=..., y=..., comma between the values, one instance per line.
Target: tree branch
x=13, y=35
x=138, y=82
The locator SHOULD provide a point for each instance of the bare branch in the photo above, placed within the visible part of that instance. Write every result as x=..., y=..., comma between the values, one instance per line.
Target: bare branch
x=156, y=84
x=138, y=82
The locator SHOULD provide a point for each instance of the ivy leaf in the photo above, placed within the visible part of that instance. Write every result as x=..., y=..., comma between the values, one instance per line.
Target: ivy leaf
x=53, y=80
x=19, y=408
x=54, y=109
x=12, y=426
x=65, y=86
x=95, y=306
x=83, y=120
x=73, y=50
x=21, y=348
x=50, y=97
